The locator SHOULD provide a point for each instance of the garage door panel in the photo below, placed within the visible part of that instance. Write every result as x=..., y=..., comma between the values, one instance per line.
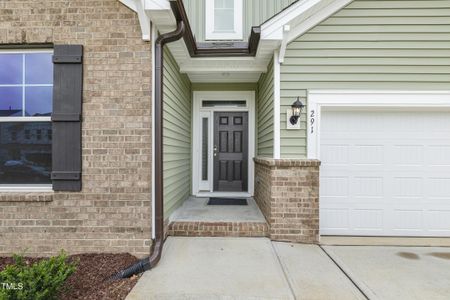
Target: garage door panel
x=336, y=154
x=369, y=219
x=385, y=173
x=407, y=187
x=336, y=186
x=335, y=219
x=367, y=186
x=368, y=154
x=408, y=220
x=408, y=155
x=437, y=155
x=438, y=220
x=439, y=187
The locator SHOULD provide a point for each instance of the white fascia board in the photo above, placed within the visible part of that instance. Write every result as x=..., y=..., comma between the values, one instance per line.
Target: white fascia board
x=273, y=29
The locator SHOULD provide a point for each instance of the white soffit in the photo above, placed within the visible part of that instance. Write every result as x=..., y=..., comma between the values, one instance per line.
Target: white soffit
x=223, y=69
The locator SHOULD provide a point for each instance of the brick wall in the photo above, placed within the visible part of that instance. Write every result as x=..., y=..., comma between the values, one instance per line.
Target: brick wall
x=287, y=191
x=113, y=212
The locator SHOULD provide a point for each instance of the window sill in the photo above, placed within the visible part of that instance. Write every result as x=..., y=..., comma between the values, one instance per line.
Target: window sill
x=26, y=195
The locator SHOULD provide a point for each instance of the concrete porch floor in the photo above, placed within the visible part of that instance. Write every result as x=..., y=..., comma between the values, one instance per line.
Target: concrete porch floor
x=256, y=268
x=196, y=210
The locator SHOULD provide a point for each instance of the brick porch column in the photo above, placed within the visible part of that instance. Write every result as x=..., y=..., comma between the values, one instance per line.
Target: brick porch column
x=287, y=192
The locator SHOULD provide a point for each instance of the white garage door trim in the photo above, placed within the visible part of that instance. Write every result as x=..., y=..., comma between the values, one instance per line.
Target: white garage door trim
x=416, y=101
x=317, y=99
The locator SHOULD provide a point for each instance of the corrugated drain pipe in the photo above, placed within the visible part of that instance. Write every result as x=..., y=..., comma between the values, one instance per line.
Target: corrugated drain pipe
x=157, y=245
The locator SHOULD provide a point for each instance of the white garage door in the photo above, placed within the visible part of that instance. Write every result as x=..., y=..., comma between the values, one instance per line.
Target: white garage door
x=385, y=173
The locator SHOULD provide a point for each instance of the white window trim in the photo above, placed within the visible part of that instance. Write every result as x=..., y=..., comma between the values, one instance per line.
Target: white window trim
x=318, y=99
x=25, y=187
x=210, y=34
x=198, y=97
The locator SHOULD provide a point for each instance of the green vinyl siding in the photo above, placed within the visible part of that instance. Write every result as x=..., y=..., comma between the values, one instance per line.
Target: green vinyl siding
x=264, y=113
x=177, y=135
x=396, y=44
x=255, y=12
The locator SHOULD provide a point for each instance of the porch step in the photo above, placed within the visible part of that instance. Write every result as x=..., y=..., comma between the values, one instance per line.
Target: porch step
x=218, y=229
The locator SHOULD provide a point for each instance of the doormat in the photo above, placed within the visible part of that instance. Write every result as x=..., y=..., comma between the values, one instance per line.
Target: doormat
x=227, y=201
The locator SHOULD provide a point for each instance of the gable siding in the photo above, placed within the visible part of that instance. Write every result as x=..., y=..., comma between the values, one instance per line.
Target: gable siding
x=177, y=135
x=264, y=113
x=255, y=12
x=396, y=44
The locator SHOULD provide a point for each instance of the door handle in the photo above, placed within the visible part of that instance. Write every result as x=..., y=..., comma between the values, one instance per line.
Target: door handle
x=215, y=150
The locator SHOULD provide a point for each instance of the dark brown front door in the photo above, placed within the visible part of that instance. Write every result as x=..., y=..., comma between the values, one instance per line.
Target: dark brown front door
x=230, y=151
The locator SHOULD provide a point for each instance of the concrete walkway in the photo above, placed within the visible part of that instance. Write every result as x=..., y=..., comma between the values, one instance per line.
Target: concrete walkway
x=242, y=268
x=256, y=268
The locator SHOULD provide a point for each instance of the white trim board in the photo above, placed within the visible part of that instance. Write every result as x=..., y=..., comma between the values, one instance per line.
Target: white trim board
x=318, y=99
x=198, y=111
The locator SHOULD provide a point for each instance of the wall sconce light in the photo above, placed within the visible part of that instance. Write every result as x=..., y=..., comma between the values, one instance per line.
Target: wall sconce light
x=297, y=108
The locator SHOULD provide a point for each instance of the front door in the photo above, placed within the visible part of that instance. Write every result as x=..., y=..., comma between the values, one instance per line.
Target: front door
x=230, y=151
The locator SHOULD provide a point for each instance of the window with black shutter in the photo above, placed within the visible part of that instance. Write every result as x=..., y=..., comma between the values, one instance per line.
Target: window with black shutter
x=40, y=118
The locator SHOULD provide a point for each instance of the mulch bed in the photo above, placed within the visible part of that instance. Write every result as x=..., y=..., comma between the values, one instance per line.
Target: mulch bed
x=90, y=280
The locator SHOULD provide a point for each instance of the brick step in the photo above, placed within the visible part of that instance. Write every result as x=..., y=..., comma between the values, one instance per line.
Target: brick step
x=218, y=229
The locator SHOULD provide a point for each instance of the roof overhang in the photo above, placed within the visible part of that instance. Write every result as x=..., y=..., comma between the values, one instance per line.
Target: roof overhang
x=275, y=34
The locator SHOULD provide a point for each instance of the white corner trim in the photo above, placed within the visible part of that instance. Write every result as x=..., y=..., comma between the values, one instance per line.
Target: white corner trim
x=317, y=99
x=318, y=17
x=276, y=107
x=236, y=34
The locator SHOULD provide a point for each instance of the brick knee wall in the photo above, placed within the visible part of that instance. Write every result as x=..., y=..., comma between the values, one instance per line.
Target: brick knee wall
x=113, y=211
x=287, y=191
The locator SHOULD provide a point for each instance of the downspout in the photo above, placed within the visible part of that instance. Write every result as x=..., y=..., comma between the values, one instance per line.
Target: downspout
x=158, y=242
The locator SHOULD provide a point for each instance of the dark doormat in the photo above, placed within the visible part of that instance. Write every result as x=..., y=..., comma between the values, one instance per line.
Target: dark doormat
x=227, y=201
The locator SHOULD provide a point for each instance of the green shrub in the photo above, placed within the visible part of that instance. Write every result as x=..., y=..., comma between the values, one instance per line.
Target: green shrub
x=41, y=280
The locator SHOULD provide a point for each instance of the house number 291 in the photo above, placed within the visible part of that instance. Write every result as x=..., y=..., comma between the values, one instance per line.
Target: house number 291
x=312, y=120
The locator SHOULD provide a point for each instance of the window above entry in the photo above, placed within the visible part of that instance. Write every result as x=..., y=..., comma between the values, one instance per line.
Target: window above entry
x=223, y=20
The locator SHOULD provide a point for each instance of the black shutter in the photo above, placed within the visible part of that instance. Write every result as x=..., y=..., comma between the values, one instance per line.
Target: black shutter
x=66, y=117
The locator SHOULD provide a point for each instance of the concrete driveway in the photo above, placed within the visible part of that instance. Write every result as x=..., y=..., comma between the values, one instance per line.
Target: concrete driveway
x=256, y=268
x=396, y=272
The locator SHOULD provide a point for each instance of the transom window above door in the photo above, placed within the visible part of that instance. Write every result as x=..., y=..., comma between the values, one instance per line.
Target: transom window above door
x=223, y=19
